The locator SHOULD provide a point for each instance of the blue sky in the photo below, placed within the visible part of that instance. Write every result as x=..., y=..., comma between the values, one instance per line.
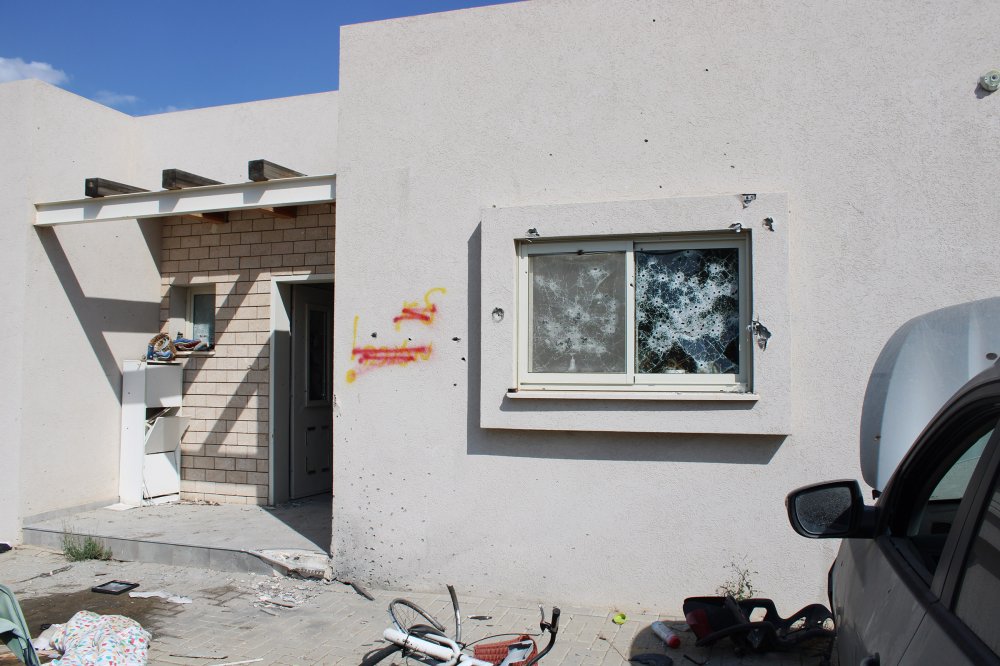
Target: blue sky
x=143, y=57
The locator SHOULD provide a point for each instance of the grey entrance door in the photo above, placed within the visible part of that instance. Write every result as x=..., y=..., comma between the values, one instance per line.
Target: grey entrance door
x=312, y=390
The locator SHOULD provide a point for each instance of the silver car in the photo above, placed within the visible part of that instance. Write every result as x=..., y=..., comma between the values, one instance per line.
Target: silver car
x=917, y=578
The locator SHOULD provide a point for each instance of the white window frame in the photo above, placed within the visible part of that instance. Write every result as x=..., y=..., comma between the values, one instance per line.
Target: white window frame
x=631, y=380
x=192, y=292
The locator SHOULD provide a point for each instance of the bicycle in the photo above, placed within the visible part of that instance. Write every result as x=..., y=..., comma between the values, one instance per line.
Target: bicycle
x=415, y=631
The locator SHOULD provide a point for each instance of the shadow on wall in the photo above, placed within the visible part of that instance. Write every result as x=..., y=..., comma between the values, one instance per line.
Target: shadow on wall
x=98, y=316
x=653, y=447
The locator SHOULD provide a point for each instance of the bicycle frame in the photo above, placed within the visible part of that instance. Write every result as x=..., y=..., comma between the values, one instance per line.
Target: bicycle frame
x=429, y=641
x=445, y=650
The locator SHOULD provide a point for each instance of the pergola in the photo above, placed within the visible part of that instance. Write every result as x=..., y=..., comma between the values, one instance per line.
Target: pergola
x=272, y=188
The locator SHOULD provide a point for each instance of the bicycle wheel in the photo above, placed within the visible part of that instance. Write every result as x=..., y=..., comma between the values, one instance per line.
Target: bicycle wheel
x=406, y=615
x=375, y=656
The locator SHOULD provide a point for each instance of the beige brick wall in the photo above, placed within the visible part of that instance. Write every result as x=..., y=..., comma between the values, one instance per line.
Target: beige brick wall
x=224, y=454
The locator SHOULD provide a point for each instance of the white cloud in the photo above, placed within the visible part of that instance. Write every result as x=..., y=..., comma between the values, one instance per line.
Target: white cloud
x=14, y=69
x=109, y=98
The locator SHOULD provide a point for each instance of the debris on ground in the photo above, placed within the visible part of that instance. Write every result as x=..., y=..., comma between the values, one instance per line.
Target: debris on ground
x=282, y=593
x=666, y=634
x=114, y=587
x=357, y=588
x=652, y=659
x=162, y=594
x=48, y=573
x=199, y=655
x=715, y=618
x=296, y=562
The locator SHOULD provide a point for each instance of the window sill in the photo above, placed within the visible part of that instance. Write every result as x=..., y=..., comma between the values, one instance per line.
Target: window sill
x=539, y=394
x=206, y=352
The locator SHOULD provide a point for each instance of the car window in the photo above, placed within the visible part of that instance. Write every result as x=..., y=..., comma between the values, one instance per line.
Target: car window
x=980, y=587
x=953, y=484
x=937, y=504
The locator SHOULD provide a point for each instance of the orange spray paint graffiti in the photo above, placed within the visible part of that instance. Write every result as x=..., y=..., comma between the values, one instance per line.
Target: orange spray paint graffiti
x=370, y=357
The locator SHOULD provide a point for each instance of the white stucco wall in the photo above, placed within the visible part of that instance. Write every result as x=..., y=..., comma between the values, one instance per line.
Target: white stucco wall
x=866, y=115
x=80, y=299
x=74, y=300
x=217, y=142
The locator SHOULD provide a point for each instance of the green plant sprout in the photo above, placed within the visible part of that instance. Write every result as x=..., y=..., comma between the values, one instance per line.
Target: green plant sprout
x=739, y=585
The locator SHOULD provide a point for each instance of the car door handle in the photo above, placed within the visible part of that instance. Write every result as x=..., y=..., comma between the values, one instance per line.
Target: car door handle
x=871, y=660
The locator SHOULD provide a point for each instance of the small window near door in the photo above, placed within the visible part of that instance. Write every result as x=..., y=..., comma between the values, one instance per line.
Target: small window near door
x=318, y=361
x=201, y=315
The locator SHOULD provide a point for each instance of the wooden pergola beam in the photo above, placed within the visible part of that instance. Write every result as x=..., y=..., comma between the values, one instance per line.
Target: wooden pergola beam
x=175, y=179
x=102, y=187
x=261, y=170
x=219, y=217
x=287, y=212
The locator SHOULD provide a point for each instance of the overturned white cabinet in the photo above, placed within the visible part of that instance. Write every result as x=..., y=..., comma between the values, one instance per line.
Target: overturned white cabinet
x=150, y=458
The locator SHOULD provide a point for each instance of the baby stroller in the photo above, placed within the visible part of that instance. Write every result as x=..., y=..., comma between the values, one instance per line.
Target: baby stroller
x=14, y=629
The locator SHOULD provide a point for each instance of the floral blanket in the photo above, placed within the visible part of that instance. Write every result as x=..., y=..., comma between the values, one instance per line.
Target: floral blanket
x=89, y=639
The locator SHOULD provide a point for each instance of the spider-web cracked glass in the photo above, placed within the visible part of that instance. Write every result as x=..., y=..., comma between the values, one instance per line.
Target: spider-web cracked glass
x=662, y=314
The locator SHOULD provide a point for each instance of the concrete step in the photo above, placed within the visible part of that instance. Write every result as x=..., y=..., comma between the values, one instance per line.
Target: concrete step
x=292, y=537
x=156, y=552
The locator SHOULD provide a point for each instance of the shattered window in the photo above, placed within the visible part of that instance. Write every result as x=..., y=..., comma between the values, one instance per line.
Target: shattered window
x=642, y=314
x=687, y=311
x=578, y=313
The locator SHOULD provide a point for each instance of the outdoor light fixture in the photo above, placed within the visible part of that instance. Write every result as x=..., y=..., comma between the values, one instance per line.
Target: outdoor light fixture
x=990, y=81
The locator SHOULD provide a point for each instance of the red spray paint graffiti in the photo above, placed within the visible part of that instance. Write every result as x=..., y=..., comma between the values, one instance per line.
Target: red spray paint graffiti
x=370, y=357
x=412, y=310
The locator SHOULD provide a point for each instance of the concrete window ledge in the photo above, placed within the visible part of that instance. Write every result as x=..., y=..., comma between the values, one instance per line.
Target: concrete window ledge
x=764, y=410
x=631, y=395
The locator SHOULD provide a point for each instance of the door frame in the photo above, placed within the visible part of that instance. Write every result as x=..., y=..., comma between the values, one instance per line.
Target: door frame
x=279, y=373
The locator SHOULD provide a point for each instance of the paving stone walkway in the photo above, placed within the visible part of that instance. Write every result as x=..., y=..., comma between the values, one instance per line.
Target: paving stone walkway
x=283, y=622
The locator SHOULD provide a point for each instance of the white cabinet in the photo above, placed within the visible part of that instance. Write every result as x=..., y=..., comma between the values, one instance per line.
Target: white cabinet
x=150, y=457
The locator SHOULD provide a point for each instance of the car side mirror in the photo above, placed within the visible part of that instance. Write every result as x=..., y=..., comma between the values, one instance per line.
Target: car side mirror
x=831, y=510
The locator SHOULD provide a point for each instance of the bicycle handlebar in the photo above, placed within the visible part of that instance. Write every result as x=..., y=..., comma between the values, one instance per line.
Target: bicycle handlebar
x=458, y=614
x=554, y=626
x=553, y=629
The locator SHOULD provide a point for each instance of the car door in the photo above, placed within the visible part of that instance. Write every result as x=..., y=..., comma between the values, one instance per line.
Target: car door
x=968, y=613
x=887, y=591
